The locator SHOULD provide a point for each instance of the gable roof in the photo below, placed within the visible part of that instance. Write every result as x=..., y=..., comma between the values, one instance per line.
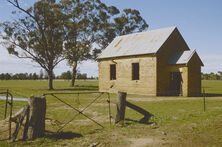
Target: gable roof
x=137, y=44
x=183, y=57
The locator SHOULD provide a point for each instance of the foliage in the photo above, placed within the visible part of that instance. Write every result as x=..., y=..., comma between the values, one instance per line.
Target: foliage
x=212, y=76
x=93, y=22
x=82, y=76
x=19, y=76
x=119, y=23
x=38, y=34
x=41, y=74
x=66, y=75
x=51, y=31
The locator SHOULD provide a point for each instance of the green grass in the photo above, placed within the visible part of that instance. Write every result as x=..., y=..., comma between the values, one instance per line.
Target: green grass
x=176, y=121
x=212, y=86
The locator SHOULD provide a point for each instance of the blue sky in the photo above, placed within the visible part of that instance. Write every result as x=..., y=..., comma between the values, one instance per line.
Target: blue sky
x=199, y=21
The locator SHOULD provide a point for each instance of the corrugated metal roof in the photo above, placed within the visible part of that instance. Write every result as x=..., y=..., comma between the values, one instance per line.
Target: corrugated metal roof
x=137, y=43
x=181, y=57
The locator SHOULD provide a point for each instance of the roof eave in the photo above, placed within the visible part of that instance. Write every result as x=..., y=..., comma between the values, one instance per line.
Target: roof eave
x=125, y=56
x=194, y=51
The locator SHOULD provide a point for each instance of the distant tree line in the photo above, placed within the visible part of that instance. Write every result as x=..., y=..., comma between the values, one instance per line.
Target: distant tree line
x=34, y=76
x=212, y=76
x=68, y=76
x=24, y=76
x=19, y=76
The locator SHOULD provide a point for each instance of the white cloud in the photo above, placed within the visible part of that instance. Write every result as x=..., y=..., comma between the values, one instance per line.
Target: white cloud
x=11, y=64
x=212, y=63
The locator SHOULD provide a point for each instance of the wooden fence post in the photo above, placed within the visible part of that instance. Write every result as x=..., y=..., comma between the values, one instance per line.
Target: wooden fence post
x=36, y=124
x=120, y=107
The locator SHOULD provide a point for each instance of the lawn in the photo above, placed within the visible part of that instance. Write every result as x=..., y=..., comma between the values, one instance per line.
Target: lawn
x=176, y=121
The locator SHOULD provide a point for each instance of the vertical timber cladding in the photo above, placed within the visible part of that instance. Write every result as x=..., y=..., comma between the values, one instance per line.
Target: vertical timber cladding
x=147, y=75
x=194, y=76
x=183, y=69
x=173, y=44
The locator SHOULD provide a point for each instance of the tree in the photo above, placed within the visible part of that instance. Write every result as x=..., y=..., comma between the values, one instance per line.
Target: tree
x=35, y=76
x=66, y=75
x=46, y=76
x=220, y=74
x=37, y=35
x=30, y=76
x=127, y=22
x=79, y=28
x=93, y=22
x=82, y=76
x=7, y=76
x=41, y=74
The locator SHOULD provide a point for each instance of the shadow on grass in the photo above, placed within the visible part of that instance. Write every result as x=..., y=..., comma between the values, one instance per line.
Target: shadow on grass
x=136, y=121
x=78, y=88
x=75, y=88
x=144, y=120
x=147, y=115
x=62, y=135
x=211, y=95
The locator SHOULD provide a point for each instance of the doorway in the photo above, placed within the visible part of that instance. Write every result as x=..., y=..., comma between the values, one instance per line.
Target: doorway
x=175, y=83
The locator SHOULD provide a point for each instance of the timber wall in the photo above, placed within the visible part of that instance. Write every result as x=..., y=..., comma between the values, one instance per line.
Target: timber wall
x=173, y=44
x=194, y=76
x=145, y=85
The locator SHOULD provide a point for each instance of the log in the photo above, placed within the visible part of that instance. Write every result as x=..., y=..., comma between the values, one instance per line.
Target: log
x=36, y=124
x=120, y=107
x=146, y=114
x=17, y=115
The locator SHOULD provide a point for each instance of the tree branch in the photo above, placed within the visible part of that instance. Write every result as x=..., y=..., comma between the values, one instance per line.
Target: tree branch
x=16, y=4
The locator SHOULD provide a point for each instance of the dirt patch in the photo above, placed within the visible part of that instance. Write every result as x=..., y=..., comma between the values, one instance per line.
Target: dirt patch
x=104, y=104
x=4, y=129
x=148, y=141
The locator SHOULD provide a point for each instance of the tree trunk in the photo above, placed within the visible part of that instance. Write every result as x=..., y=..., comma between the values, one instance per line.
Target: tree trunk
x=120, y=107
x=50, y=76
x=36, y=126
x=74, y=74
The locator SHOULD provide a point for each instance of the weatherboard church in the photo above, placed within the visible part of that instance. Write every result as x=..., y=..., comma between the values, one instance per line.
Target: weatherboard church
x=156, y=62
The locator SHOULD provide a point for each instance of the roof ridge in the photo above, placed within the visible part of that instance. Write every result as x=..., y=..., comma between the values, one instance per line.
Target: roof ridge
x=172, y=27
x=137, y=43
x=191, y=55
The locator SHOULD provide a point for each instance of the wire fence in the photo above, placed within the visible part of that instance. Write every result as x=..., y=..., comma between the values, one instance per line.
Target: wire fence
x=81, y=111
x=15, y=92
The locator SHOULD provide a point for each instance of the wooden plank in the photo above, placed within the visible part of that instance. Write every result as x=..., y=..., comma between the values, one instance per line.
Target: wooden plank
x=19, y=123
x=146, y=114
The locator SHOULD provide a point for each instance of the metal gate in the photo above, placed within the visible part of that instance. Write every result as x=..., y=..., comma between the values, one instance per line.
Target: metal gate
x=7, y=103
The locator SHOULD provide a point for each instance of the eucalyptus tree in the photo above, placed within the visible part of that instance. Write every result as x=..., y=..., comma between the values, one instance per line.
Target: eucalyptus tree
x=116, y=23
x=79, y=33
x=37, y=34
x=93, y=22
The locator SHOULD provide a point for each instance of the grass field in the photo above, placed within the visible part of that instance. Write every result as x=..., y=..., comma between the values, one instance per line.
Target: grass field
x=176, y=121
